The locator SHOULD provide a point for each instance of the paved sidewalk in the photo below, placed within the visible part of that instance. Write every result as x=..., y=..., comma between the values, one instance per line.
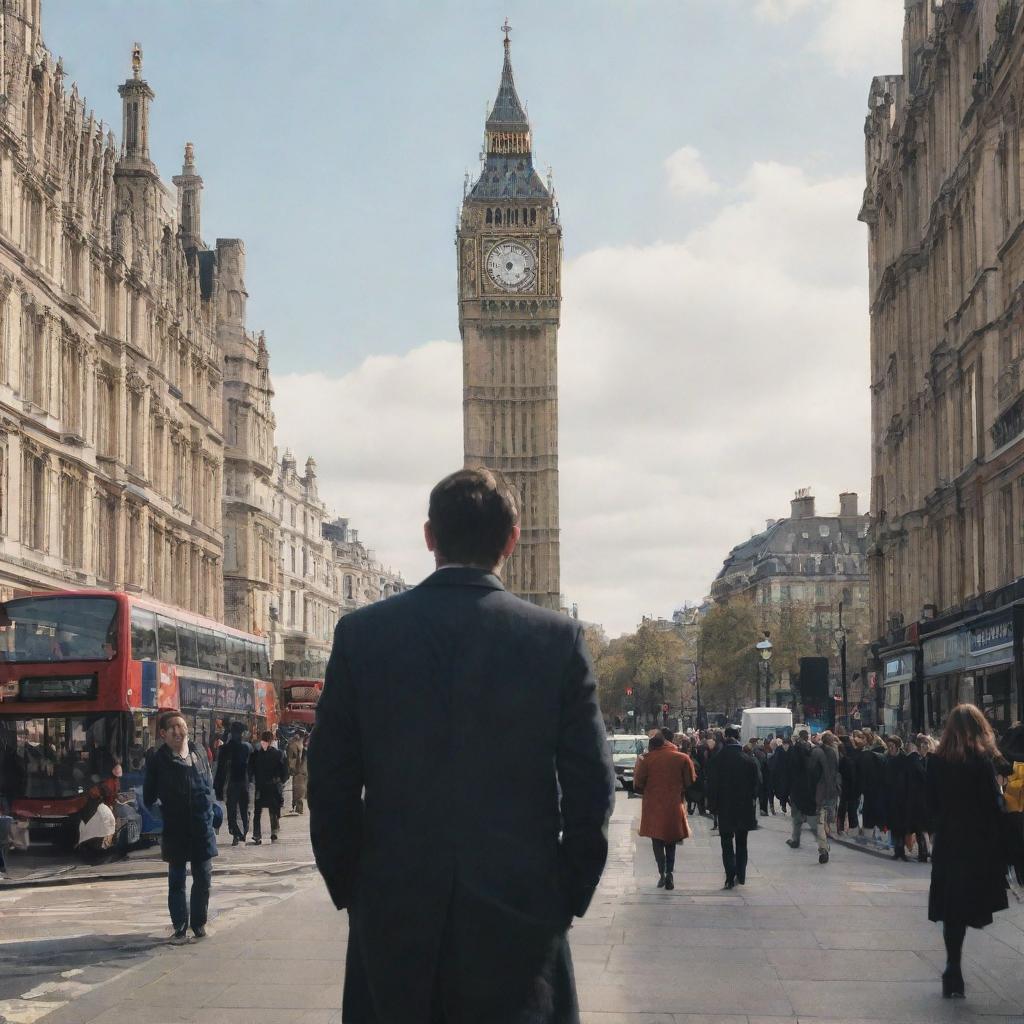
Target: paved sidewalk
x=842, y=942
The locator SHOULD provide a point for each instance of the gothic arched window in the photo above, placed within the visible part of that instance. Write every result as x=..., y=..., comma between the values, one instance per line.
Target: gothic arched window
x=490, y=215
x=497, y=216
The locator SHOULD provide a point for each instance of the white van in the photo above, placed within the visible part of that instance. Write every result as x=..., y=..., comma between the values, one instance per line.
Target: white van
x=760, y=723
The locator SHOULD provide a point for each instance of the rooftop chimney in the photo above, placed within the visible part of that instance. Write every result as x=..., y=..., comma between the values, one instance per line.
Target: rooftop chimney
x=803, y=504
x=848, y=505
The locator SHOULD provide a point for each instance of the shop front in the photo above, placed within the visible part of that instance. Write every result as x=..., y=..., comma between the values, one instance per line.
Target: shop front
x=946, y=682
x=989, y=677
x=898, y=690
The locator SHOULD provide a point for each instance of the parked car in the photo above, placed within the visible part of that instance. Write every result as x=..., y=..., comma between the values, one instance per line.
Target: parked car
x=625, y=750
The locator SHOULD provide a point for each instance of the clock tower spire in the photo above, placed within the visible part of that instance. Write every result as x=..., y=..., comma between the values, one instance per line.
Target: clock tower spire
x=509, y=244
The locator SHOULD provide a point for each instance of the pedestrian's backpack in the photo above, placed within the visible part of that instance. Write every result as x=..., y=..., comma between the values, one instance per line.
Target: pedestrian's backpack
x=1013, y=794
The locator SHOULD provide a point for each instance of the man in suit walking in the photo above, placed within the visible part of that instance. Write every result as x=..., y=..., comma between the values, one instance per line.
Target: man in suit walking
x=460, y=785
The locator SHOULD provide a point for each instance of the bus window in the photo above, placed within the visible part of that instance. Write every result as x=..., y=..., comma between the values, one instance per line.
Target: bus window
x=168, y=641
x=143, y=635
x=187, y=652
x=236, y=656
x=61, y=629
x=212, y=655
x=220, y=653
x=252, y=652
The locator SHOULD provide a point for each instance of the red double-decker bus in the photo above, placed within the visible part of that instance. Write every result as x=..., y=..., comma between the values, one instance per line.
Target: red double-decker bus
x=298, y=701
x=83, y=676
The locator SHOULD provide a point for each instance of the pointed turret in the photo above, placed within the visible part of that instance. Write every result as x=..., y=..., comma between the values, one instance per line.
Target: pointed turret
x=136, y=96
x=508, y=171
x=190, y=187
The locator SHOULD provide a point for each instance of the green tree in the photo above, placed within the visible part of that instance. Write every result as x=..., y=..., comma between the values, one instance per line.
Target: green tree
x=727, y=660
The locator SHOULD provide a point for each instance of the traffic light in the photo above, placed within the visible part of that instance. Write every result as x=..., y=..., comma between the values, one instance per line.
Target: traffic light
x=664, y=709
x=629, y=691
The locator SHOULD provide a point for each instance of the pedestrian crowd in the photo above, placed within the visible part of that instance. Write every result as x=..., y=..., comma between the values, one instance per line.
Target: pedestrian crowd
x=958, y=802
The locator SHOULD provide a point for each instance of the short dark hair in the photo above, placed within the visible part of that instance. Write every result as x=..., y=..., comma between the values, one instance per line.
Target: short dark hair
x=267, y=736
x=731, y=732
x=803, y=735
x=656, y=742
x=668, y=734
x=472, y=512
x=164, y=721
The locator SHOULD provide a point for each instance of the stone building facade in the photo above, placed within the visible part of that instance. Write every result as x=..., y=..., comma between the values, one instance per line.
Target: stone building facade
x=509, y=246
x=809, y=564
x=325, y=572
x=943, y=205
x=111, y=450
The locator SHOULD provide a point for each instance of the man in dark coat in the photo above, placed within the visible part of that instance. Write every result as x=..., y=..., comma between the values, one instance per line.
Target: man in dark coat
x=268, y=769
x=778, y=768
x=178, y=775
x=804, y=807
x=733, y=782
x=849, y=798
x=233, y=770
x=464, y=837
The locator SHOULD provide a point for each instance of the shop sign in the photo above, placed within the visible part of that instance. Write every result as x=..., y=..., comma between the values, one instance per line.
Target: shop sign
x=899, y=667
x=993, y=636
x=945, y=653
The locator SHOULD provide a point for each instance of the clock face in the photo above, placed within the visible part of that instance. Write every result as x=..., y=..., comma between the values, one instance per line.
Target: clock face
x=512, y=267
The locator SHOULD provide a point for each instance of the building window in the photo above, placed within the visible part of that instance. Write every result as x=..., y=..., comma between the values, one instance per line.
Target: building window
x=72, y=511
x=348, y=588
x=33, y=503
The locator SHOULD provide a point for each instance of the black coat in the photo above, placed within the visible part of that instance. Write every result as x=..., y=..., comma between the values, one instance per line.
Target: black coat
x=778, y=769
x=916, y=783
x=232, y=764
x=896, y=794
x=968, y=867
x=801, y=781
x=452, y=718
x=871, y=783
x=848, y=774
x=185, y=792
x=733, y=781
x=268, y=770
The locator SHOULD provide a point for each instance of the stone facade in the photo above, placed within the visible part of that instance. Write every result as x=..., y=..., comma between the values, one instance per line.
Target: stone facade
x=509, y=247
x=251, y=508
x=110, y=376
x=809, y=562
x=946, y=255
x=325, y=573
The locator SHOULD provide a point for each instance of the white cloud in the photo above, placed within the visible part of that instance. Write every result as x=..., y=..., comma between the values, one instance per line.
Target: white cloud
x=701, y=383
x=866, y=34
x=780, y=10
x=687, y=175
x=854, y=36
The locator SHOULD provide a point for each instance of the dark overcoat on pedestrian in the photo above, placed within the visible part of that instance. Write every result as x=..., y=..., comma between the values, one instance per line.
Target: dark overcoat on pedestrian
x=778, y=769
x=848, y=772
x=871, y=783
x=185, y=792
x=896, y=815
x=968, y=864
x=663, y=777
x=460, y=786
x=269, y=772
x=732, y=788
x=916, y=783
x=801, y=784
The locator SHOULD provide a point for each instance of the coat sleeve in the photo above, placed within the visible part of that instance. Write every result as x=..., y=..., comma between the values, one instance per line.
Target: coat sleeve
x=640, y=774
x=587, y=781
x=335, y=778
x=283, y=773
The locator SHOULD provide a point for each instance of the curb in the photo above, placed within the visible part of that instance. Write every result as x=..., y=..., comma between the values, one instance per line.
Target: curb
x=264, y=867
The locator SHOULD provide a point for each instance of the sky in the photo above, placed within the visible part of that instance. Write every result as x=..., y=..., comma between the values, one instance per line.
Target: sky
x=708, y=160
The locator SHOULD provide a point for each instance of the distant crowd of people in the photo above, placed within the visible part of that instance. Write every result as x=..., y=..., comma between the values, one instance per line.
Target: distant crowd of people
x=958, y=802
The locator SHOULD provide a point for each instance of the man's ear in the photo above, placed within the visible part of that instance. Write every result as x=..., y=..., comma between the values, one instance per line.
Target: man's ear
x=510, y=544
x=428, y=536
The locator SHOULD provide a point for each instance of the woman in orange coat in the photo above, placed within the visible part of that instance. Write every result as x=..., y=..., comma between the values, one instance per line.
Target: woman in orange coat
x=662, y=775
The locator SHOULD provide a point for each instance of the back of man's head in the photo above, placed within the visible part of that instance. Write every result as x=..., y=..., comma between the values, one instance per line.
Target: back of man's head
x=471, y=515
x=732, y=733
x=668, y=734
x=804, y=735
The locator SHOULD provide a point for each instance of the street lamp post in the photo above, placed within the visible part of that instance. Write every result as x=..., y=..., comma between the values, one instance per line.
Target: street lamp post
x=764, y=649
x=840, y=638
x=696, y=683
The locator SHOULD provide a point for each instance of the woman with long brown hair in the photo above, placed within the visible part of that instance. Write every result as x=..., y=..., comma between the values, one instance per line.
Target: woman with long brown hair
x=968, y=867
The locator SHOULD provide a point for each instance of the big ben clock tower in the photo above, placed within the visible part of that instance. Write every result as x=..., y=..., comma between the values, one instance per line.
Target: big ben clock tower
x=510, y=295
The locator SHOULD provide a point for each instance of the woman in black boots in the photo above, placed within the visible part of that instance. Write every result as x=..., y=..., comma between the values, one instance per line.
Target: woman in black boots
x=968, y=870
